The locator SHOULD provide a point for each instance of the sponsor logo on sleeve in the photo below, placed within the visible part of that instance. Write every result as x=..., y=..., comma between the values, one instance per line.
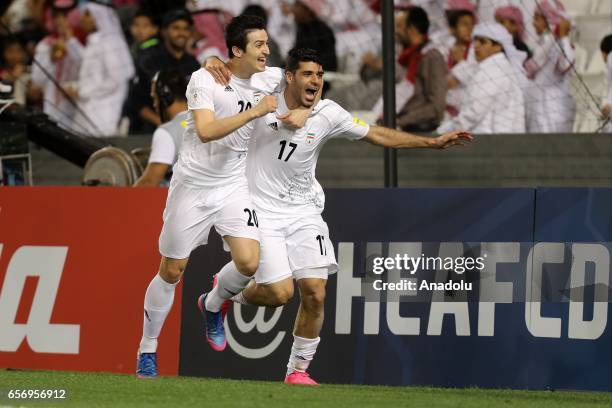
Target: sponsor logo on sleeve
x=359, y=122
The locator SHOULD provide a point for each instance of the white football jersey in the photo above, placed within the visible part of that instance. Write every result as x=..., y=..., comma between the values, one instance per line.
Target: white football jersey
x=221, y=161
x=282, y=161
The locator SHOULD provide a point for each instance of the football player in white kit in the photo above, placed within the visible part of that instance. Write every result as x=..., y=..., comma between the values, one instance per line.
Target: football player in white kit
x=209, y=186
x=295, y=241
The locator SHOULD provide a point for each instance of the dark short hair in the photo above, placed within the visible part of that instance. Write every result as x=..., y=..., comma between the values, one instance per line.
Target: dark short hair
x=171, y=83
x=454, y=16
x=606, y=44
x=6, y=42
x=297, y=55
x=417, y=18
x=9, y=40
x=237, y=30
x=145, y=12
x=256, y=10
x=176, y=15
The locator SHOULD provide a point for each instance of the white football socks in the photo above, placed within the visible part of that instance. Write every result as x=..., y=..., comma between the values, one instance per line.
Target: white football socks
x=230, y=282
x=239, y=298
x=302, y=353
x=157, y=304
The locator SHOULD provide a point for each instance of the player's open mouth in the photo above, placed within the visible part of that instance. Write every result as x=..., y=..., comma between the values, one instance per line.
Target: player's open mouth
x=311, y=93
x=262, y=60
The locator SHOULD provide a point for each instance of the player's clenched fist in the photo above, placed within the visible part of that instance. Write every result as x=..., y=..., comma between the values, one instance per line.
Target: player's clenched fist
x=268, y=104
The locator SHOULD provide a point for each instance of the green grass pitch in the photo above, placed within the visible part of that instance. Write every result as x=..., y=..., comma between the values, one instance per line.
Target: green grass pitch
x=111, y=390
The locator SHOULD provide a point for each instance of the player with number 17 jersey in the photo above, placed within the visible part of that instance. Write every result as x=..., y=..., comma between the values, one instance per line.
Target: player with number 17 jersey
x=288, y=198
x=222, y=161
x=295, y=240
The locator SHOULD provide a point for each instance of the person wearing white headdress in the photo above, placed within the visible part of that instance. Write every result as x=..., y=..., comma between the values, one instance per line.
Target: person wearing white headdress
x=551, y=107
x=105, y=71
x=494, y=101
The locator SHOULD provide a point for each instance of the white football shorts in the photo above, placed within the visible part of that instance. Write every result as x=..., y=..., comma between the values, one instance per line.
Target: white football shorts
x=191, y=211
x=291, y=246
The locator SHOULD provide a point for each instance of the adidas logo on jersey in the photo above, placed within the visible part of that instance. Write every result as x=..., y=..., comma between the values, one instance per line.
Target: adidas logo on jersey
x=273, y=125
x=228, y=89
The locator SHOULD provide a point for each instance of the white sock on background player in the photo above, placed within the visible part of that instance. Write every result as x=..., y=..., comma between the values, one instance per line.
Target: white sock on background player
x=230, y=282
x=302, y=353
x=157, y=304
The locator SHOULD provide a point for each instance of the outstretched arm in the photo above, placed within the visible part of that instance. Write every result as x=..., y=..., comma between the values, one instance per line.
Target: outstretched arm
x=386, y=137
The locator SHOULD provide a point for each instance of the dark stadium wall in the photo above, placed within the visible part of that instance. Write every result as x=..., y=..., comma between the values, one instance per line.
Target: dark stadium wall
x=75, y=263
x=74, y=266
x=551, y=243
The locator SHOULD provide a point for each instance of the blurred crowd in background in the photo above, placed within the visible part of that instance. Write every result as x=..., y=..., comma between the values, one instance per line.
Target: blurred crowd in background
x=489, y=66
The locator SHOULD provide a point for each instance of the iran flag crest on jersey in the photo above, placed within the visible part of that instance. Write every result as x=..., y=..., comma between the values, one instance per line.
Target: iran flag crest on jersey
x=310, y=137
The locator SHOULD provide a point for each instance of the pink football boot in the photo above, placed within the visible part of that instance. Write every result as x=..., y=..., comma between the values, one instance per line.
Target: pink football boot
x=300, y=378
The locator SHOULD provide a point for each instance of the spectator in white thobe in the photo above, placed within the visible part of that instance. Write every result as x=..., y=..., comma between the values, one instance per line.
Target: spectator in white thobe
x=494, y=102
x=105, y=71
x=357, y=31
x=60, y=55
x=551, y=107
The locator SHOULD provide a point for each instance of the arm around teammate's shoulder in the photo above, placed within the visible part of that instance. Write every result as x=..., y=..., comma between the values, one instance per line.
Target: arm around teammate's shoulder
x=210, y=128
x=387, y=137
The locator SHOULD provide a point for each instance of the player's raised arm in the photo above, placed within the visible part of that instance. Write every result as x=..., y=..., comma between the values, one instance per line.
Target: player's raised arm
x=210, y=129
x=386, y=137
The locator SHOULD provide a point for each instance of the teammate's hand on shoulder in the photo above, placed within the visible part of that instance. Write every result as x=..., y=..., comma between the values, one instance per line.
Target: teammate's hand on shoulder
x=456, y=138
x=218, y=69
x=268, y=104
x=295, y=118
